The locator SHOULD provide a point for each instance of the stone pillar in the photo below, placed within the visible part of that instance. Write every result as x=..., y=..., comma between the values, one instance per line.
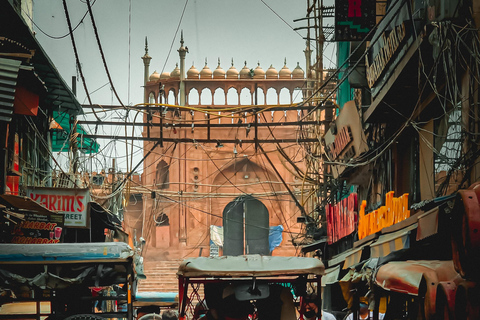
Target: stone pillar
x=182, y=52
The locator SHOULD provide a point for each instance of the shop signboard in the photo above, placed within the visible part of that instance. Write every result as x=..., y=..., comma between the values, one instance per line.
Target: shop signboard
x=394, y=211
x=341, y=218
x=354, y=19
x=39, y=228
x=395, y=34
x=347, y=141
x=71, y=202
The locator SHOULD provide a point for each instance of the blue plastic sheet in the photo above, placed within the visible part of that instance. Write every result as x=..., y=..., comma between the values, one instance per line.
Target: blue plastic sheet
x=275, y=236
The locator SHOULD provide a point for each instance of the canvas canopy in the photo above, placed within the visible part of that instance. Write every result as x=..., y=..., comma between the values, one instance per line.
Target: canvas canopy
x=65, y=253
x=249, y=266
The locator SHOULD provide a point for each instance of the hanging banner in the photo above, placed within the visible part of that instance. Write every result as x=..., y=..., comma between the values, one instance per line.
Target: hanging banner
x=71, y=202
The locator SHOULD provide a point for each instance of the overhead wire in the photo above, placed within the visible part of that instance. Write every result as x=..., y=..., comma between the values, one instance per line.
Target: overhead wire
x=56, y=37
x=281, y=18
x=175, y=35
x=77, y=60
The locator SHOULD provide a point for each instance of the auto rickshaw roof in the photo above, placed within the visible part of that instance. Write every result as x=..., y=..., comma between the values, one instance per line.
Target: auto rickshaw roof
x=250, y=266
x=65, y=253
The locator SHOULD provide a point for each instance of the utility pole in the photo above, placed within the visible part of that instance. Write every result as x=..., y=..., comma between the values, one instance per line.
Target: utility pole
x=316, y=37
x=73, y=146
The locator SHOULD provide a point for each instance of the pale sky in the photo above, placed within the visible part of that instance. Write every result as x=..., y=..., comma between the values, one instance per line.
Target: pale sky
x=245, y=30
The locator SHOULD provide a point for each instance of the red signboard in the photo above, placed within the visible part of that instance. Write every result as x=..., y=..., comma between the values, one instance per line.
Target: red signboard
x=341, y=218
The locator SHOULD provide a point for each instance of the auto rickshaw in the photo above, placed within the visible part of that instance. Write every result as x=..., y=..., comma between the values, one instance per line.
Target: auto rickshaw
x=248, y=287
x=67, y=281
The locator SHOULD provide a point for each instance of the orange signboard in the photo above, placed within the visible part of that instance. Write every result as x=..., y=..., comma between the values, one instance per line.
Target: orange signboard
x=394, y=210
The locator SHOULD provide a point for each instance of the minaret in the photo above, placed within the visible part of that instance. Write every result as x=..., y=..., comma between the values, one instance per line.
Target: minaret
x=146, y=63
x=183, y=52
x=308, y=57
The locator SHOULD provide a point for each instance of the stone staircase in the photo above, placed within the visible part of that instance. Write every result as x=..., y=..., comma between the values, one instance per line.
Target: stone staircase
x=161, y=276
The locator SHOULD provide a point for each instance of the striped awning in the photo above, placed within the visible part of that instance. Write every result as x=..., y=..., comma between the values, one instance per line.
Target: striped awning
x=330, y=276
x=339, y=258
x=353, y=258
x=392, y=242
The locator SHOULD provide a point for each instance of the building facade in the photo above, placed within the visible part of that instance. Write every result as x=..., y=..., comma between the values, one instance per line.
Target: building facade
x=403, y=158
x=217, y=178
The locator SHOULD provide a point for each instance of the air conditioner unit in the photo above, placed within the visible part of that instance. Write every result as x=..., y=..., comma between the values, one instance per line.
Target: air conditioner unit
x=97, y=180
x=441, y=10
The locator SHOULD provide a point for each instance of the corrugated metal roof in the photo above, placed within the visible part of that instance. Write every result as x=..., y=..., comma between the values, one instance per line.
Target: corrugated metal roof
x=8, y=81
x=59, y=95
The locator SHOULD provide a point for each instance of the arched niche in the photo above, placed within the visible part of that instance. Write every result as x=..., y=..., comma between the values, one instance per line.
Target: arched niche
x=248, y=173
x=162, y=175
x=284, y=96
x=297, y=96
x=193, y=97
x=151, y=97
x=232, y=96
x=219, y=97
x=272, y=97
x=206, y=97
x=245, y=97
x=171, y=98
x=260, y=97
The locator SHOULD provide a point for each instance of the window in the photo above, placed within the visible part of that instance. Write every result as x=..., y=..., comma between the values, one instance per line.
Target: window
x=162, y=175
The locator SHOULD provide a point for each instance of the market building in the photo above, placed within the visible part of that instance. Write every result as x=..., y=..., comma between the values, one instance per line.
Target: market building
x=402, y=211
x=56, y=241
x=39, y=202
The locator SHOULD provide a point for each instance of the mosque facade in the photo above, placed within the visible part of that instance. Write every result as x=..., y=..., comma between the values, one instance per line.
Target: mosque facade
x=216, y=178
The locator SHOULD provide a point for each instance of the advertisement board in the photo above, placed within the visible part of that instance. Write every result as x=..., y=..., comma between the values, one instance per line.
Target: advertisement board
x=354, y=19
x=71, y=202
x=39, y=228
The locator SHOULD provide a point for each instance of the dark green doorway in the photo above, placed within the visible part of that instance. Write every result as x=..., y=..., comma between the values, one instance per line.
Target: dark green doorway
x=245, y=227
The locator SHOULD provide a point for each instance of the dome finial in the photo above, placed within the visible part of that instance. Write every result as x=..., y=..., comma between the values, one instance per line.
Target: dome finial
x=232, y=62
x=146, y=45
x=205, y=62
x=219, y=61
x=285, y=61
x=181, y=38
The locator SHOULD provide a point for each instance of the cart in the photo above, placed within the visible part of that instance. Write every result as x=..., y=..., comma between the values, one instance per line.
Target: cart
x=248, y=287
x=67, y=281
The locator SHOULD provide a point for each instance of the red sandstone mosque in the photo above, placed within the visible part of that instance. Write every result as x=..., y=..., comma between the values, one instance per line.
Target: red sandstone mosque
x=215, y=176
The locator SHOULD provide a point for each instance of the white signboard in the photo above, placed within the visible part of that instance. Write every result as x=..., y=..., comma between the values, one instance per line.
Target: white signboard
x=71, y=202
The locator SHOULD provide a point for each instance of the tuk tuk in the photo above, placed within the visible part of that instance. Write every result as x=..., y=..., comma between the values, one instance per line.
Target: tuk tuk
x=249, y=287
x=153, y=302
x=72, y=281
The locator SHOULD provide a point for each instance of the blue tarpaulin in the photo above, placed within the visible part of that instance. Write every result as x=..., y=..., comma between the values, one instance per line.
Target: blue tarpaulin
x=275, y=236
